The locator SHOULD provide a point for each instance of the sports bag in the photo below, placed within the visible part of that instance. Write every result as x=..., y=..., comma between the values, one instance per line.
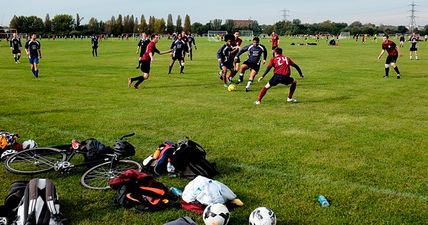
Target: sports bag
x=39, y=205
x=182, y=221
x=141, y=191
x=95, y=150
x=11, y=202
x=190, y=158
x=158, y=161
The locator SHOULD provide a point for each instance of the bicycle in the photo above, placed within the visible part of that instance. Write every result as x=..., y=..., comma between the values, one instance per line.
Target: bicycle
x=45, y=159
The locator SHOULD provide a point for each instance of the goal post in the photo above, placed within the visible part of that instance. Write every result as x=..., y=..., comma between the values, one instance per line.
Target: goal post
x=345, y=35
x=216, y=35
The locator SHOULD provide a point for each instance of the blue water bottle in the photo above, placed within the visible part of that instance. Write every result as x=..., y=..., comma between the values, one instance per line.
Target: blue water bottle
x=323, y=201
x=175, y=191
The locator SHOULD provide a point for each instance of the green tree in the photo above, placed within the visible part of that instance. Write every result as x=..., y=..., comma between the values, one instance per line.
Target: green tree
x=62, y=24
x=187, y=25
x=118, y=26
x=135, y=28
x=229, y=25
x=198, y=28
x=78, y=21
x=216, y=24
x=48, y=24
x=93, y=26
x=169, y=25
x=178, y=26
x=160, y=26
x=151, y=25
x=143, y=24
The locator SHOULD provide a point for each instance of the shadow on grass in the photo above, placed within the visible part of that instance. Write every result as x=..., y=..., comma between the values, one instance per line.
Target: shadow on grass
x=64, y=110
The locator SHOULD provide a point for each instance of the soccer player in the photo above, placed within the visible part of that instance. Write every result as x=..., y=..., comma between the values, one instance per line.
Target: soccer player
x=15, y=46
x=32, y=48
x=255, y=52
x=275, y=42
x=177, y=53
x=146, y=59
x=191, y=41
x=402, y=40
x=141, y=47
x=392, y=49
x=236, y=45
x=94, y=43
x=281, y=75
x=413, y=47
x=225, y=59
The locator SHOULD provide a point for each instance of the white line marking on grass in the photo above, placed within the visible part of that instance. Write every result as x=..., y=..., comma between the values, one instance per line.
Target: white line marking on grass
x=385, y=191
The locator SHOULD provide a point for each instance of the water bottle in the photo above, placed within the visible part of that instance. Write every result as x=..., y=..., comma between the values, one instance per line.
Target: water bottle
x=323, y=201
x=175, y=191
x=170, y=168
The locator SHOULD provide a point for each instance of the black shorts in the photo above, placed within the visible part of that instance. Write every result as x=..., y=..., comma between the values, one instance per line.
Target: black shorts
x=145, y=66
x=228, y=65
x=274, y=47
x=413, y=49
x=253, y=66
x=280, y=79
x=178, y=57
x=16, y=51
x=391, y=59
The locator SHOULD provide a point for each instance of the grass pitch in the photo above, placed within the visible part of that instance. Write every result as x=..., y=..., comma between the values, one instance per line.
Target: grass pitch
x=355, y=137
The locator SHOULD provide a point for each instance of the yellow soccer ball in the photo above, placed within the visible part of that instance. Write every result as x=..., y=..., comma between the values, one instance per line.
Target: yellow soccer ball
x=231, y=87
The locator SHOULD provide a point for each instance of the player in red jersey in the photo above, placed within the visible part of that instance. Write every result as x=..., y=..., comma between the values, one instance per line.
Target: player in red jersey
x=392, y=49
x=275, y=42
x=146, y=60
x=281, y=75
x=236, y=44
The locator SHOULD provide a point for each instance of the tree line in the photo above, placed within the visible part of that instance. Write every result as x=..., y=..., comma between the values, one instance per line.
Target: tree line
x=64, y=24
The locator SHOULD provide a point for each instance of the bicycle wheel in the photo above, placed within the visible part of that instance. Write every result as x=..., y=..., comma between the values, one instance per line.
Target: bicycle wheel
x=98, y=176
x=36, y=160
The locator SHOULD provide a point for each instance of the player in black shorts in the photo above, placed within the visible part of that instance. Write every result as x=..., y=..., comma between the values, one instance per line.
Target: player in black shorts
x=94, y=43
x=177, y=53
x=225, y=59
x=15, y=46
x=191, y=41
x=255, y=52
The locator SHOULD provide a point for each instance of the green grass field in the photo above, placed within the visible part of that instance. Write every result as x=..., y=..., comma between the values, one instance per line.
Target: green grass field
x=355, y=137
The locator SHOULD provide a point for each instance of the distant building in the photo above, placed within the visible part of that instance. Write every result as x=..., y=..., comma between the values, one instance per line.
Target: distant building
x=242, y=23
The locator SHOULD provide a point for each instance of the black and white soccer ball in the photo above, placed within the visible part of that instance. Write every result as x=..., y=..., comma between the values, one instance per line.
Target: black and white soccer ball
x=216, y=214
x=262, y=216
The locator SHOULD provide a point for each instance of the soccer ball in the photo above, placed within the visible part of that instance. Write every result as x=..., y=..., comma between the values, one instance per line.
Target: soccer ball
x=231, y=87
x=262, y=216
x=216, y=214
x=29, y=144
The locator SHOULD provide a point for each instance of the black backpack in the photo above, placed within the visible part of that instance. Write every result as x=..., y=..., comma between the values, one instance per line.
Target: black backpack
x=189, y=159
x=39, y=205
x=95, y=150
x=11, y=202
x=182, y=221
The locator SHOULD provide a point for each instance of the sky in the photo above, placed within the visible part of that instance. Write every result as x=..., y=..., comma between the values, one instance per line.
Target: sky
x=386, y=12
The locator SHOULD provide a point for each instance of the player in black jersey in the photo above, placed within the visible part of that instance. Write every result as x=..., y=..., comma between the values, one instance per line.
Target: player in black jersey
x=177, y=53
x=142, y=45
x=94, y=43
x=15, y=45
x=32, y=48
x=191, y=41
